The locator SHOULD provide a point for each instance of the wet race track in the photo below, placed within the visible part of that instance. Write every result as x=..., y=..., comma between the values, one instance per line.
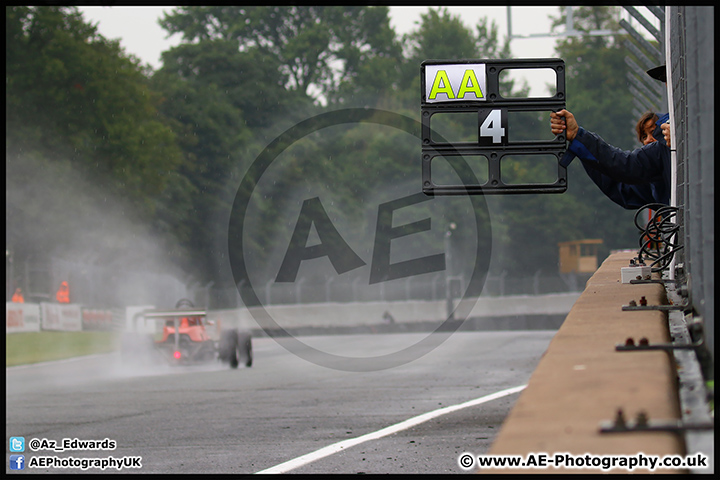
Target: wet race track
x=285, y=413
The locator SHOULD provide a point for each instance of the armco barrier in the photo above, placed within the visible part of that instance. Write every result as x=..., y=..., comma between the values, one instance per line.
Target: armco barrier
x=22, y=317
x=377, y=313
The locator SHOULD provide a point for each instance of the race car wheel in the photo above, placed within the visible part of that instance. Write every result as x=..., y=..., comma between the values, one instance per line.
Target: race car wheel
x=228, y=348
x=245, y=346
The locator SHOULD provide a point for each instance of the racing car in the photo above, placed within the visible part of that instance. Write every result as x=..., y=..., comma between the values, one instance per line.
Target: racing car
x=185, y=340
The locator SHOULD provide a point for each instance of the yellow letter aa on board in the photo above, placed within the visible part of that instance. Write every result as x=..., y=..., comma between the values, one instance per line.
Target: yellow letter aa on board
x=468, y=84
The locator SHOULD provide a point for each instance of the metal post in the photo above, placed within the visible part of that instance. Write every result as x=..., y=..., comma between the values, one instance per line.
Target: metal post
x=536, y=282
x=448, y=264
x=298, y=286
x=267, y=292
x=9, y=275
x=509, y=24
x=327, y=288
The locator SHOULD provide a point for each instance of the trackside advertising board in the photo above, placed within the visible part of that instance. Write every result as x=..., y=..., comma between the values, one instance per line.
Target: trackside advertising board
x=22, y=317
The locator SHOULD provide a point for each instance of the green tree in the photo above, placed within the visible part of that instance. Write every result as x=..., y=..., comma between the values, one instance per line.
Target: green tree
x=77, y=108
x=318, y=48
x=596, y=76
x=440, y=36
x=226, y=89
x=75, y=94
x=599, y=97
x=527, y=228
x=223, y=104
x=597, y=93
x=247, y=79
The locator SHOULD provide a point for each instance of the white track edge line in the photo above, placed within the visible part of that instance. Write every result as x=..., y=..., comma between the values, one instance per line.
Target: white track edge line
x=404, y=425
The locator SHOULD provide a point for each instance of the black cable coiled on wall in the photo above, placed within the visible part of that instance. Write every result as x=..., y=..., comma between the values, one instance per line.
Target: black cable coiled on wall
x=658, y=239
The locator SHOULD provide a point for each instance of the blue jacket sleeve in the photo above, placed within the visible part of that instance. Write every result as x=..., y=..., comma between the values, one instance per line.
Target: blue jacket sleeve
x=650, y=163
x=627, y=196
x=631, y=179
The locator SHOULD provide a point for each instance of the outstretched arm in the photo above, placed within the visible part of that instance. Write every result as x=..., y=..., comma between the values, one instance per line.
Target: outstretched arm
x=564, y=121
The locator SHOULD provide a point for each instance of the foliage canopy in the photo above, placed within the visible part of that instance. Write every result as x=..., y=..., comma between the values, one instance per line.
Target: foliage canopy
x=165, y=149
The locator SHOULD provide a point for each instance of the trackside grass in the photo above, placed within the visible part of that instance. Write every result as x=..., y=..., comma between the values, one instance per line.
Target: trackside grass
x=33, y=347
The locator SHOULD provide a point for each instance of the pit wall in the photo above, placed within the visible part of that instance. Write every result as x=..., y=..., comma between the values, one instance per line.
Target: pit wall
x=581, y=380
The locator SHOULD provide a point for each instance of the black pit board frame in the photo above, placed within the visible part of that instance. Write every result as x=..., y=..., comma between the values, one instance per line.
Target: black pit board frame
x=493, y=153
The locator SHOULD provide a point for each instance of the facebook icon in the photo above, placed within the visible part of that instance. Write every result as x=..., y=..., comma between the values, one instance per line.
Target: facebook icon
x=17, y=462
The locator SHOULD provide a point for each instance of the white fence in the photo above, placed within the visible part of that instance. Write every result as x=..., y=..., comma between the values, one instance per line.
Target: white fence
x=31, y=317
x=22, y=317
